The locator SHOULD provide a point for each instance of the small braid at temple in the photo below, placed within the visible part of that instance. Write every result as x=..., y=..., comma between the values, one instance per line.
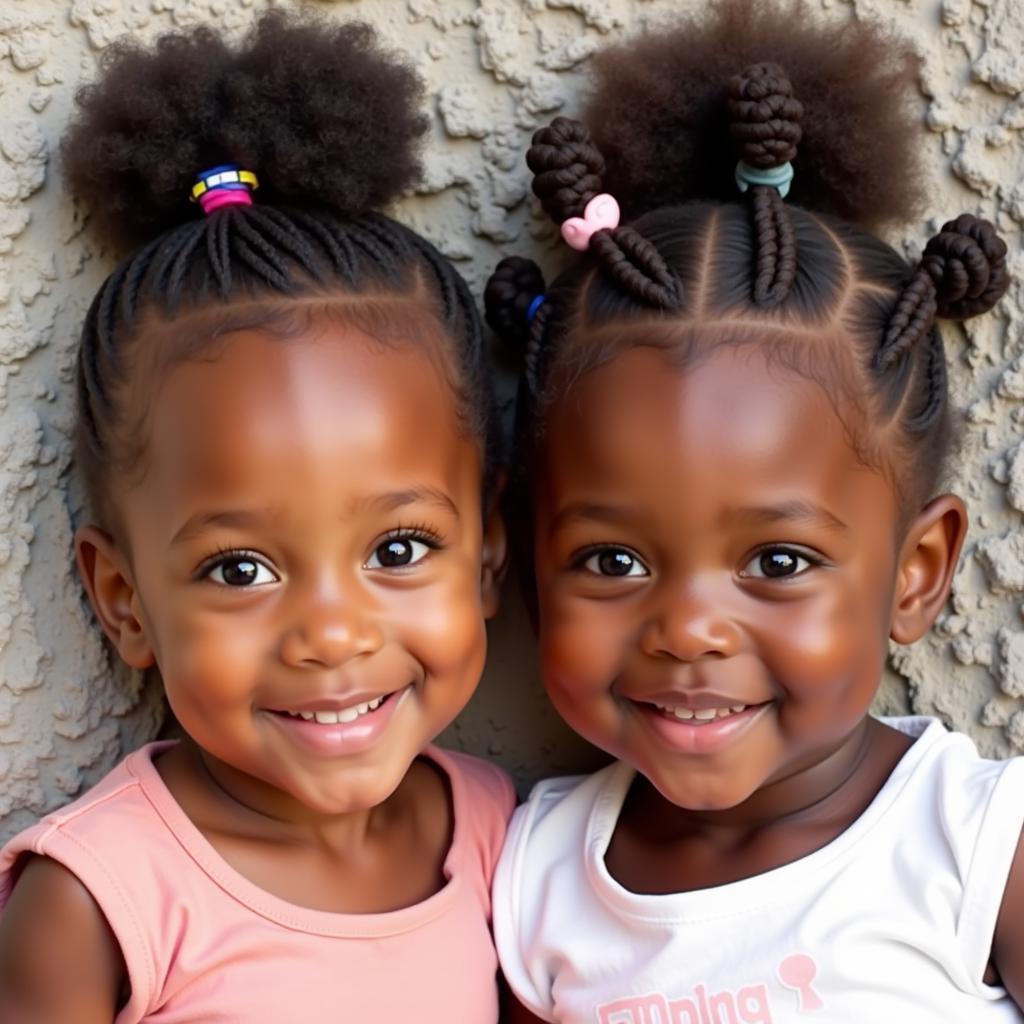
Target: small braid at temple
x=962, y=273
x=510, y=293
x=765, y=123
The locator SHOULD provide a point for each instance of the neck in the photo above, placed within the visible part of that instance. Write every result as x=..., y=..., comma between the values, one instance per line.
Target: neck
x=250, y=806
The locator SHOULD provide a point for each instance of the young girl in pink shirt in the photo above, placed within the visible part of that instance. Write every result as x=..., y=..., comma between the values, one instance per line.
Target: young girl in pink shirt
x=286, y=435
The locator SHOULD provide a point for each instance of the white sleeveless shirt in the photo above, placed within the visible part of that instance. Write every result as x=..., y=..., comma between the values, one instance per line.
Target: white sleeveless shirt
x=891, y=921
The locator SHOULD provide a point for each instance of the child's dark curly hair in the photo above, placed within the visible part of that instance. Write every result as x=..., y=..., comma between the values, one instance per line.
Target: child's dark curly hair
x=331, y=125
x=701, y=265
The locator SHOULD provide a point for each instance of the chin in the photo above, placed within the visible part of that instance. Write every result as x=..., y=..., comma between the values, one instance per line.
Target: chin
x=696, y=797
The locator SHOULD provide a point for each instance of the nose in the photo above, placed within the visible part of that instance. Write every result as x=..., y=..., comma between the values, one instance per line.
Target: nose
x=328, y=628
x=688, y=622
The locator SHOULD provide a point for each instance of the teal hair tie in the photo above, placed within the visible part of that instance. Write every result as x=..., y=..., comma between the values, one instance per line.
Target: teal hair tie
x=778, y=177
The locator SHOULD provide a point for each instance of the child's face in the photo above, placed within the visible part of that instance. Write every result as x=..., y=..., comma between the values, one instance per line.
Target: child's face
x=307, y=540
x=707, y=540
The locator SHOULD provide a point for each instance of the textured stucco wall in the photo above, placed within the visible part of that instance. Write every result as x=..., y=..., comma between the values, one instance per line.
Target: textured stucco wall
x=496, y=68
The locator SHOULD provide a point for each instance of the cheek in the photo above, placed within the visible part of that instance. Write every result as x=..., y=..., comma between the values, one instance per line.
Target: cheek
x=212, y=656
x=583, y=644
x=841, y=640
x=445, y=630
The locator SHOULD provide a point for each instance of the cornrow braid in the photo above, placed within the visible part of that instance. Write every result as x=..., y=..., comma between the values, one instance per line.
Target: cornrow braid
x=568, y=172
x=765, y=123
x=323, y=156
x=669, y=116
x=243, y=251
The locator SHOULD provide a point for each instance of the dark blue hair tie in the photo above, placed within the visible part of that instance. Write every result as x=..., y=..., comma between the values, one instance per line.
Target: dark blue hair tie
x=531, y=310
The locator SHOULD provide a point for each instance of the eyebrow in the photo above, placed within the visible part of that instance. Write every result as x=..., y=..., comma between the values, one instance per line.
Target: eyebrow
x=589, y=510
x=796, y=511
x=389, y=501
x=236, y=518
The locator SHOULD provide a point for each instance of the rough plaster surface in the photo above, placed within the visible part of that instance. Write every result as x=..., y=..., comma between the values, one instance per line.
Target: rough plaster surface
x=496, y=69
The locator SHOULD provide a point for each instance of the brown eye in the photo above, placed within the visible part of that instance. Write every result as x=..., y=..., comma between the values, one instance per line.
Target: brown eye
x=776, y=563
x=240, y=571
x=397, y=553
x=615, y=562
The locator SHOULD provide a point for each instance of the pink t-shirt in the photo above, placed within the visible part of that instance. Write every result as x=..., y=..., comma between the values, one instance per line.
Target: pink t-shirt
x=202, y=943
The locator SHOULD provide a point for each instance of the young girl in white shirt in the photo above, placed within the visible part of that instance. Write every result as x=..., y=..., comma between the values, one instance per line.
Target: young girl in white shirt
x=734, y=423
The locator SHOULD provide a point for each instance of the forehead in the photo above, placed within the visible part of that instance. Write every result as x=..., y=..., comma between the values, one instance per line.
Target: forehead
x=267, y=419
x=732, y=430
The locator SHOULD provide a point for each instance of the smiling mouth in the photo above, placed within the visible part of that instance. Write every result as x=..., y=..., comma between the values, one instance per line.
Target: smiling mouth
x=701, y=716
x=336, y=716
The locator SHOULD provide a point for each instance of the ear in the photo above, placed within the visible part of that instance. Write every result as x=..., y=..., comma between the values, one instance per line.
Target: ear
x=927, y=563
x=494, y=554
x=112, y=595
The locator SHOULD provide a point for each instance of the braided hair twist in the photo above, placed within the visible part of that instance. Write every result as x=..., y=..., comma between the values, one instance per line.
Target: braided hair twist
x=764, y=120
x=568, y=171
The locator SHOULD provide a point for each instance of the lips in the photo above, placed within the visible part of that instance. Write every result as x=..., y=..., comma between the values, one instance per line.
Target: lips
x=697, y=715
x=328, y=716
x=349, y=705
x=331, y=732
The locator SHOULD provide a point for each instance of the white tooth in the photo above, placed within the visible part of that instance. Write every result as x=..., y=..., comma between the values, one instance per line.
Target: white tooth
x=374, y=704
x=705, y=714
x=348, y=715
x=738, y=708
x=361, y=709
x=684, y=713
x=327, y=717
x=307, y=715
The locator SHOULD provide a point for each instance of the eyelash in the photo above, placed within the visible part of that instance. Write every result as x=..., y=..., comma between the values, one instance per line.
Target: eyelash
x=224, y=554
x=582, y=556
x=813, y=559
x=579, y=558
x=414, y=531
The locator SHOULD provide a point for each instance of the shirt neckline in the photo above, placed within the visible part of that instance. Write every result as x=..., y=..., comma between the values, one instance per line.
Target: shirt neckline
x=290, y=915
x=748, y=894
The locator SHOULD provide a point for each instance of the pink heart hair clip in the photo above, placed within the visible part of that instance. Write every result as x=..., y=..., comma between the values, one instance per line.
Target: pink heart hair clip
x=601, y=212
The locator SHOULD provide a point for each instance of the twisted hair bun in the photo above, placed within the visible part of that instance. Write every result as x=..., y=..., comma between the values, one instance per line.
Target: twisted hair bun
x=348, y=139
x=668, y=111
x=962, y=273
x=567, y=167
x=511, y=289
x=966, y=261
x=764, y=117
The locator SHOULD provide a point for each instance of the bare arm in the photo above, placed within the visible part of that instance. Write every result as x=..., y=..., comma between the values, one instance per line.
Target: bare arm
x=1008, y=945
x=59, y=961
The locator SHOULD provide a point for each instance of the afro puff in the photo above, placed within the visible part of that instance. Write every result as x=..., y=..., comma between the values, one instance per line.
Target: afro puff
x=658, y=111
x=158, y=117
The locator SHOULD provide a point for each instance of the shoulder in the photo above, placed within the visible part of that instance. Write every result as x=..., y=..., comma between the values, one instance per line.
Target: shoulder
x=947, y=766
x=541, y=879
x=965, y=815
x=558, y=811
x=103, y=849
x=484, y=787
x=482, y=797
x=57, y=952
